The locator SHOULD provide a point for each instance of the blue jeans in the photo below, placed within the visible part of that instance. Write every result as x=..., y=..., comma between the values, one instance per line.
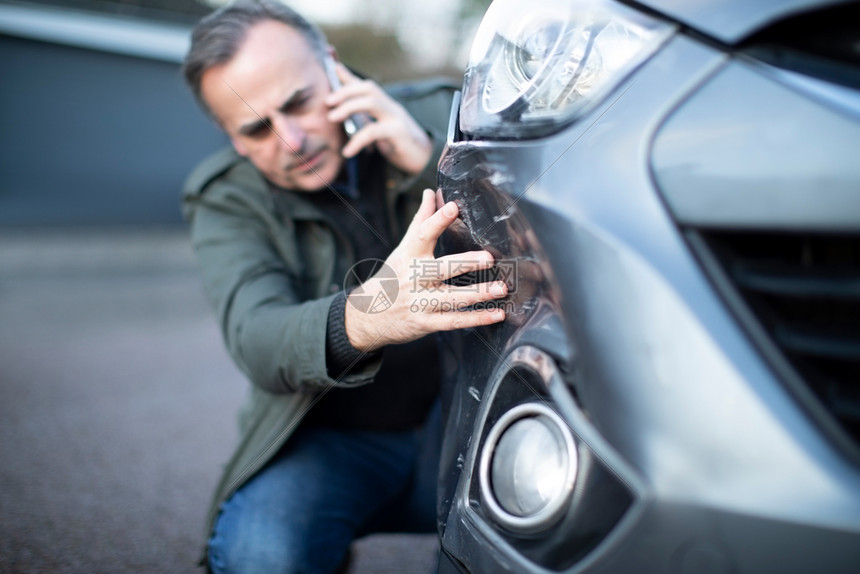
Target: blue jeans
x=324, y=489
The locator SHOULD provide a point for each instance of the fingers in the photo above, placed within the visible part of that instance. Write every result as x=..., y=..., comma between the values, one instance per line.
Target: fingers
x=467, y=319
x=344, y=75
x=395, y=135
x=365, y=137
x=440, y=199
x=463, y=297
x=428, y=231
x=393, y=131
x=419, y=241
x=441, y=297
x=457, y=308
x=364, y=98
x=427, y=208
x=347, y=106
x=352, y=87
x=459, y=263
x=420, y=317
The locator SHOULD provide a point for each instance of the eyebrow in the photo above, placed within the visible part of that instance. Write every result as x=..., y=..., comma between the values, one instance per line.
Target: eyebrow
x=265, y=123
x=252, y=128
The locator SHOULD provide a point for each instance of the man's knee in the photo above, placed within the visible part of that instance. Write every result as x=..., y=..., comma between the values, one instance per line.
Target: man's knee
x=267, y=556
x=226, y=558
x=252, y=540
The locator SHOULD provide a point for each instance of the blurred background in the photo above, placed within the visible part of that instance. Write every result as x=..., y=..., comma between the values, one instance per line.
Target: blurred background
x=96, y=126
x=117, y=399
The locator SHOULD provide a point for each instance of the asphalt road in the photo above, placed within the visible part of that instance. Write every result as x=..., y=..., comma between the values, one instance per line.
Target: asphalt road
x=117, y=405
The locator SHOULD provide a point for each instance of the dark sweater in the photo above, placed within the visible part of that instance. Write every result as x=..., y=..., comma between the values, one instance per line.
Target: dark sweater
x=408, y=382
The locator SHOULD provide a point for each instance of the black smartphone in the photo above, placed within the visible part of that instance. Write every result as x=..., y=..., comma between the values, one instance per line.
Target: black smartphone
x=354, y=122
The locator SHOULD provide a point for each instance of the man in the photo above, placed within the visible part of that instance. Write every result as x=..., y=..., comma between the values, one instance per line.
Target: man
x=336, y=436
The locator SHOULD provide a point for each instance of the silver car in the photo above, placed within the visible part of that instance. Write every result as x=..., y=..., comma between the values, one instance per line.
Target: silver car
x=672, y=192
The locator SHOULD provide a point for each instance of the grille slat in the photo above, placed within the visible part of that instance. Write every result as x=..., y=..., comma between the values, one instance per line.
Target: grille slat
x=818, y=344
x=846, y=408
x=802, y=291
x=785, y=281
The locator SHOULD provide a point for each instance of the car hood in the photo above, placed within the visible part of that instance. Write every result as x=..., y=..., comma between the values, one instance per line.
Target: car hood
x=731, y=21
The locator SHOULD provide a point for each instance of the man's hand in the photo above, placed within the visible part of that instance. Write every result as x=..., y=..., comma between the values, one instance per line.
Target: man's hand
x=396, y=134
x=424, y=303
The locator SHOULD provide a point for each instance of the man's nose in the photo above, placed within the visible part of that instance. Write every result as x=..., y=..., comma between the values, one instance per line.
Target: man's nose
x=289, y=132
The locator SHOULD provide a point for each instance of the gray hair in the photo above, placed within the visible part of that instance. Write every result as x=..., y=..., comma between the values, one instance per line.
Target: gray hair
x=217, y=37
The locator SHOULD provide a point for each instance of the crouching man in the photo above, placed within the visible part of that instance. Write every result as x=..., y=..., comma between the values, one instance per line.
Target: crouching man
x=339, y=435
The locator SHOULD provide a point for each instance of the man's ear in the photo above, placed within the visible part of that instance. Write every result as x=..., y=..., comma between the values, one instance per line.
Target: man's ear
x=239, y=147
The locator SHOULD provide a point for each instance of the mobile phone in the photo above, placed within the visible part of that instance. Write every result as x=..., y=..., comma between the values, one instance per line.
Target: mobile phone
x=354, y=122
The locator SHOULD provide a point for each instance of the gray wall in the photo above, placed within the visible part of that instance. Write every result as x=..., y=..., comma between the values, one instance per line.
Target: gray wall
x=91, y=137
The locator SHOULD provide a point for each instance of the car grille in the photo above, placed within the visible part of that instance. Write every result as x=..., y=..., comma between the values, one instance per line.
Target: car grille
x=799, y=294
x=824, y=44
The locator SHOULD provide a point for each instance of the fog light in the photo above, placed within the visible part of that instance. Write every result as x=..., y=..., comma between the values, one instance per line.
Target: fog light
x=528, y=468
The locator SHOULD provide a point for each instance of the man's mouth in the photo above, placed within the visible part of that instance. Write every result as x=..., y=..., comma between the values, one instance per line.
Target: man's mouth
x=306, y=162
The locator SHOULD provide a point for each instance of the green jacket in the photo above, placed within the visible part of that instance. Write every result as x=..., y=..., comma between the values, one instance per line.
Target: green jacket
x=271, y=265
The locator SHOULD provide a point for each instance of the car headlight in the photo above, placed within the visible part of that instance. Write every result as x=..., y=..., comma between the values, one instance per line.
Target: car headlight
x=538, y=64
x=528, y=468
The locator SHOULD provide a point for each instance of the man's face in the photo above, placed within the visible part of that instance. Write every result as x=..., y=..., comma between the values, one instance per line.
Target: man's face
x=276, y=80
